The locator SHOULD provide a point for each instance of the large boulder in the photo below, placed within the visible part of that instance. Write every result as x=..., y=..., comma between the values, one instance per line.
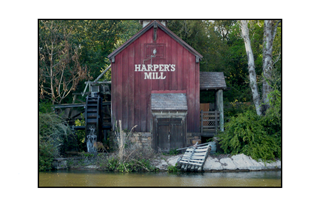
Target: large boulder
x=241, y=161
x=256, y=165
x=173, y=160
x=212, y=164
x=92, y=167
x=162, y=165
x=227, y=164
x=274, y=165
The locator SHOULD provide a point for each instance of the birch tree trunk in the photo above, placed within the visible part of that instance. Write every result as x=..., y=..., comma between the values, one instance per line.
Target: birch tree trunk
x=268, y=37
x=251, y=66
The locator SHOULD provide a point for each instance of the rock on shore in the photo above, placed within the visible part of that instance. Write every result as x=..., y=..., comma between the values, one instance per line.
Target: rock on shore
x=213, y=163
x=234, y=163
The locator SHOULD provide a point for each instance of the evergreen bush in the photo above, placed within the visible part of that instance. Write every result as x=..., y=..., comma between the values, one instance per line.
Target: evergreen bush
x=253, y=135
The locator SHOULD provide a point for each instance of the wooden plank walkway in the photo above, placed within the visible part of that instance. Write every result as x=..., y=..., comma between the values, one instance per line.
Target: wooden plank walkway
x=194, y=157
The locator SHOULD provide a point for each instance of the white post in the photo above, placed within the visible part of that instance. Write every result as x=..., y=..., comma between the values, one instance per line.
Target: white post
x=219, y=104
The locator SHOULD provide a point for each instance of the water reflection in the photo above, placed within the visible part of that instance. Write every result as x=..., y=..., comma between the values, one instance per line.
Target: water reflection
x=104, y=179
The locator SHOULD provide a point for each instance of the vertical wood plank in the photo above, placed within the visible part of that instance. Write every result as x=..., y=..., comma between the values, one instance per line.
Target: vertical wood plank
x=113, y=90
x=191, y=85
x=188, y=71
x=161, y=39
x=131, y=87
x=201, y=121
x=147, y=90
x=137, y=109
x=197, y=98
x=125, y=89
x=119, y=87
x=216, y=121
x=179, y=67
x=172, y=59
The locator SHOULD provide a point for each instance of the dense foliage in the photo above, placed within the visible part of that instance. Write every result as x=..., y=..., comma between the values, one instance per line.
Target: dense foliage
x=80, y=134
x=253, y=135
x=52, y=131
x=222, y=47
x=71, y=52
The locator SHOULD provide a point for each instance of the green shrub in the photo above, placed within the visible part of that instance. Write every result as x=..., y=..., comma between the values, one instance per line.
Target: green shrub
x=272, y=119
x=250, y=134
x=47, y=152
x=173, y=169
x=235, y=108
x=52, y=130
x=253, y=135
x=45, y=107
x=81, y=134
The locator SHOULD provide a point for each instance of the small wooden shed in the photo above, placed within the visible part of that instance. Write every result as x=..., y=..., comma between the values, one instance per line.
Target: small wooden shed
x=169, y=110
x=213, y=81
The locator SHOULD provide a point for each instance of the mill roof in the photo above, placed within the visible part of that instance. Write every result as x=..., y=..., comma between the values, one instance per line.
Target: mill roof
x=145, y=29
x=169, y=101
x=212, y=80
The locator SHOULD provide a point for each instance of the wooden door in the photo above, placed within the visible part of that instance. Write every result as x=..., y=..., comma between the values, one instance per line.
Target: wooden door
x=171, y=133
x=176, y=134
x=163, y=134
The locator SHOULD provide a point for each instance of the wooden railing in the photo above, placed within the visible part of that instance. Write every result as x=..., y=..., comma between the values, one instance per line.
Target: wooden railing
x=209, y=122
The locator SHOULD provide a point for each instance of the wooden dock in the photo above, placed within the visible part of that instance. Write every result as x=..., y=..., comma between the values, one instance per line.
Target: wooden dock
x=194, y=157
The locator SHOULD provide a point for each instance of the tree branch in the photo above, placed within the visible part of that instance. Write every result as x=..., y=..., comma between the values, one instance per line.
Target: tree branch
x=275, y=30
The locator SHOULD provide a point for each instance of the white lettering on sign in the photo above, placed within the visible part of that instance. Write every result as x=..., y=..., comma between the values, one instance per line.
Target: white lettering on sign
x=157, y=70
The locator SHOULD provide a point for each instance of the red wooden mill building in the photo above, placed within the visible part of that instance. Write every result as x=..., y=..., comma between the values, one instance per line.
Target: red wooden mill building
x=156, y=86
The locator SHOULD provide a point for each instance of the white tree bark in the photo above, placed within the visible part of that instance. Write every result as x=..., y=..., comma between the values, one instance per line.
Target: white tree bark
x=251, y=66
x=268, y=37
x=219, y=103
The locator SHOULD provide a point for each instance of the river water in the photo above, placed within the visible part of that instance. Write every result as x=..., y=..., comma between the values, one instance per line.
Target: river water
x=161, y=179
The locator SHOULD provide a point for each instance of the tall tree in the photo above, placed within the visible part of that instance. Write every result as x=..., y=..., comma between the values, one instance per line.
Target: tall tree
x=270, y=31
x=251, y=66
x=59, y=67
x=88, y=43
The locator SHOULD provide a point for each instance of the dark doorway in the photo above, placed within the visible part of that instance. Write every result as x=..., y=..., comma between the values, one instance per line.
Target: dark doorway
x=170, y=133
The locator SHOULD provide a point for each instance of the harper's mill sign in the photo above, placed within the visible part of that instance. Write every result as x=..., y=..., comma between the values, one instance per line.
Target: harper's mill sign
x=154, y=71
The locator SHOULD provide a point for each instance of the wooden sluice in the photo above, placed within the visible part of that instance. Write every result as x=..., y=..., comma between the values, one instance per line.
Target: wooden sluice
x=194, y=157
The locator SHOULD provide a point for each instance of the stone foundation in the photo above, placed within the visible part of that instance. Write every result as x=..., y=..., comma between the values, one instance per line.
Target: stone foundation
x=143, y=139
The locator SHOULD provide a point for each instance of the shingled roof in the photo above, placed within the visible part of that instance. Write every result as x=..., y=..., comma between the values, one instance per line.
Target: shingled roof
x=145, y=29
x=169, y=101
x=212, y=80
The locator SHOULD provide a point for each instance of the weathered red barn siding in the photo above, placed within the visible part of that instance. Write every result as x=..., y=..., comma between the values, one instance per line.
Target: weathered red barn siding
x=131, y=92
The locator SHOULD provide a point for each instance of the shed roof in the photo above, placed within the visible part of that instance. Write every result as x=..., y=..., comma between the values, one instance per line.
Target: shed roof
x=169, y=101
x=212, y=80
x=145, y=29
